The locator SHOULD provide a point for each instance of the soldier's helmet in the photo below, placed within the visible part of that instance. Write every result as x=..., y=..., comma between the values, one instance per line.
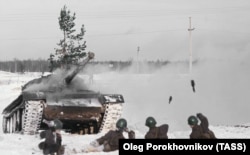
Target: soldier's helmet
x=150, y=122
x=57, y=124
x=192, y=120
x=121, y=124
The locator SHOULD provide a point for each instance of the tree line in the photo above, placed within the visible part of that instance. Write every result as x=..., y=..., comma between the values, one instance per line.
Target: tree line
x=42, y=65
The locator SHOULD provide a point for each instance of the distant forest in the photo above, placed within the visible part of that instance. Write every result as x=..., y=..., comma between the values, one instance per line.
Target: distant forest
x=40, y=65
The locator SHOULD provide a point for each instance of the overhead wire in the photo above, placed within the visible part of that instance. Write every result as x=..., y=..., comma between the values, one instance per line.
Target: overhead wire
x=117, y=14
x=124, y=14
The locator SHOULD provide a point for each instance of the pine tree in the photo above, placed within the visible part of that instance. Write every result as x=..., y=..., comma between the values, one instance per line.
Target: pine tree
x=72, y=46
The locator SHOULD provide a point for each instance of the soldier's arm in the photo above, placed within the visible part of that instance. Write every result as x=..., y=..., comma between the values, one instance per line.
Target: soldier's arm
x=163, y=131
x=204, y=122
x=165, y=127
x=104, y=137
x=131, y=134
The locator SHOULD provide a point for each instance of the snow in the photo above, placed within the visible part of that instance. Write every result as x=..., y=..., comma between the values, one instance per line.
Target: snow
x=222, y=90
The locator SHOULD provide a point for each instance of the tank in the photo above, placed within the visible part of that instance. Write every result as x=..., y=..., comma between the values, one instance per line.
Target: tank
x=62, y=95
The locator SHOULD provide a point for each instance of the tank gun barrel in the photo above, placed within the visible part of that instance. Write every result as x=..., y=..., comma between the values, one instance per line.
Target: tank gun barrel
x=71, y=76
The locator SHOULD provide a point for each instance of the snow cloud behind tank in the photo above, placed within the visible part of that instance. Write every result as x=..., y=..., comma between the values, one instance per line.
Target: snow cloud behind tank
x=222, y=88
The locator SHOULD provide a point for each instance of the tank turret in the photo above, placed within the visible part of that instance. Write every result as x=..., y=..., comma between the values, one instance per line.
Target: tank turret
x=62, y=95
x=70, y=77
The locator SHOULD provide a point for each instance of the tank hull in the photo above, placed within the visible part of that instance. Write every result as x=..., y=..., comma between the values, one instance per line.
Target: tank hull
x=88, y=115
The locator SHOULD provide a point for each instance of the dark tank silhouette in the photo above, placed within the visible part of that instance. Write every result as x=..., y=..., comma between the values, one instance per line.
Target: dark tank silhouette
x=62, y=95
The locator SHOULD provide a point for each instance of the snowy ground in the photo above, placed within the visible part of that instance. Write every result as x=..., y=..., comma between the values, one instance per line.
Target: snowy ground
x=222, y=94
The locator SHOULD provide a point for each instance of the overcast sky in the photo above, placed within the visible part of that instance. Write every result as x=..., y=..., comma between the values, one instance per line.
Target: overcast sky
x=115, y=28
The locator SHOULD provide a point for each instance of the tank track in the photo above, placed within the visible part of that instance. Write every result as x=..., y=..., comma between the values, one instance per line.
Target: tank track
x=112, y=113
x=32, y=117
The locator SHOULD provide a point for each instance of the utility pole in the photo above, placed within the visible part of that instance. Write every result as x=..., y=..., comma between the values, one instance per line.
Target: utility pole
x=190, y=46
x=138, y=50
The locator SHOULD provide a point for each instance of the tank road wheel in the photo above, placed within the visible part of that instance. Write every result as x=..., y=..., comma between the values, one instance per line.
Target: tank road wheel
x=14, y=122
x=19, y=120
x=4, y=125
x=7, y=125
x=93, y=127
x=11, y=124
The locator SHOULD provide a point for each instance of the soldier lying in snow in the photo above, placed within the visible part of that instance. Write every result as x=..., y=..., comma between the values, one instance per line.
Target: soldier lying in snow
x=200, y=131
x=110, y=141
x=154, y=132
